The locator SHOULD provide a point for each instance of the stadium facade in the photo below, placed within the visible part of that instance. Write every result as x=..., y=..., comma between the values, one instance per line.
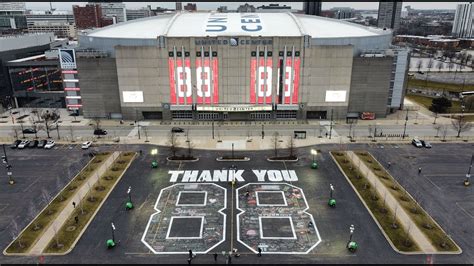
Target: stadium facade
x=239, y=66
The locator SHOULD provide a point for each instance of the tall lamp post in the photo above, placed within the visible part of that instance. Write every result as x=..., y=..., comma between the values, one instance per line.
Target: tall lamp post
x=314, y=164
x=111, y=242
x=7, y=166
x=405, y=127
x=332, y=201
x=467, y=182
x=129, y=204
x=351, y=245
x=154, y=163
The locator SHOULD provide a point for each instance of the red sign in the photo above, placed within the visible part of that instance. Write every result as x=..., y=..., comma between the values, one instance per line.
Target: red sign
x=296, y=79
x=253, y=69
x=183, y=81
x=69, y=71
x=72, y=89
x=203, y=81
x=215, y=79
x=172, y=81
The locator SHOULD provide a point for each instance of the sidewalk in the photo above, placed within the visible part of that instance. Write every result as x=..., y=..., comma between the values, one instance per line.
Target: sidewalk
x=416, y=234
x=63, y=216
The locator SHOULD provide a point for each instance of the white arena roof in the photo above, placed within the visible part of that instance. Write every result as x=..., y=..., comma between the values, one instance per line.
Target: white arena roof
x=203, y=24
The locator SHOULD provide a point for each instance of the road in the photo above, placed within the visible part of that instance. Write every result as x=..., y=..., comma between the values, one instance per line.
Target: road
x=245, y=130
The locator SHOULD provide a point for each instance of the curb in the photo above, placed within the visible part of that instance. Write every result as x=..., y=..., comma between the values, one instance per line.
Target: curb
x=246, y=159
x=271, y=160
x=180, y=161
x=27, y=254
x=73, y=245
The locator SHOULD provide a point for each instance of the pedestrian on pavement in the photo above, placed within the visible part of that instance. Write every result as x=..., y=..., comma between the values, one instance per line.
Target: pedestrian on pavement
x=76, y=219
x=229, y=258
x=326, y=134
x=419, y=170
x=189, y=260
x=215, y=257
x=190, y=254
x=389, y=164
x=141, y=152
x=259, y=252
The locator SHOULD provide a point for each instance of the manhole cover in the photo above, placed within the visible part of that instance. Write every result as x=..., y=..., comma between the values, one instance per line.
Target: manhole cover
x=71, y=228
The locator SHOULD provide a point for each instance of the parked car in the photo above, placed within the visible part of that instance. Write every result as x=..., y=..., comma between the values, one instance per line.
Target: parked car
x=49, y=144
x=32, y=144
x=29, y=131
x=86, y=145
x=417, y=143
x=15, y=144
x=23, y=144
x=177, y=130
x=426, y=144
x=41, y=143
x=100, y=132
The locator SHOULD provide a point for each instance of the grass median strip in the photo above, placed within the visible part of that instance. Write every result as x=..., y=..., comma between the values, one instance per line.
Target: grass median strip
x=68, y=234
x=28, y=237
x=398, y=235
x=438, y=238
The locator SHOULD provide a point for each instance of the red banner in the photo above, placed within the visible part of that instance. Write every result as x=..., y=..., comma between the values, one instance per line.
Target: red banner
x=296, y=80
x=183, y=75
x=253, y=70
x=287, y=81
x=215, y=79
x=172, y=81
x=264, y=81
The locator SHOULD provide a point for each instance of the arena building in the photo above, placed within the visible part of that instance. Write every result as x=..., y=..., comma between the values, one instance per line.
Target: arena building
x=238, y=66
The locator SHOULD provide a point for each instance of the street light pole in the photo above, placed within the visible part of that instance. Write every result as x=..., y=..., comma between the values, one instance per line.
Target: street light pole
x=330, y=124
x=351, y=228
x=405, y=128
x=468, y=175
x=8, y=167
x=232, y=150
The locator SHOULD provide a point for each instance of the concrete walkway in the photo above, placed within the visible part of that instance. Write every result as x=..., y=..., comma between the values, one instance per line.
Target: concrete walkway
x=416, y=234
x=63, y=216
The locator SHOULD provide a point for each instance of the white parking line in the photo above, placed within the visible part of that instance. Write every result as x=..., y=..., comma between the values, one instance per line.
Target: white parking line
x=464, y=210
x=432, y=182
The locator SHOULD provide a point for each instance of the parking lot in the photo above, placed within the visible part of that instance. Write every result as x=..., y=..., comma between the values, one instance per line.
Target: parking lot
x=332, y=224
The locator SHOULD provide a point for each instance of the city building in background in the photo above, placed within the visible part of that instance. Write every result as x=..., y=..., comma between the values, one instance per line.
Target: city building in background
x=190, y=7
x=90, y=16
x=36, y=81
x=246, y=8
x=222, y=9
x=342, y=12
x=64, y=17
x=16, y=47
x=116, y=11
x=12, y=16
x=312, y=8
x=60, y=29
x=287, y=66
x=12, y=8
x=463, y=26
x=389, y=15
x=140, y=13
x=179, y=6
x=274, y=8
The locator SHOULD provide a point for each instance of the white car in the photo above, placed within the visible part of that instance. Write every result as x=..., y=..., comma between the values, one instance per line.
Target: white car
x=86, y=145
x=23, y=144
x=49, y=144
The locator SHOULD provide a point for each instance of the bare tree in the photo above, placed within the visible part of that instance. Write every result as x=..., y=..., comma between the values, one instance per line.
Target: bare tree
x=96, y=120
x=291, y=146
x=59, y=186
x=450, y=65
x=71, y=132
x=419, y=64
x=173, y=143
x=190, y=147
x=46, y=198
x=460, y=124
x=145, y=131
x=438, y=128
x=439, y=65
x=32, y=213
x=275, y=140
x=34, y=126
x=444, y=131
x=15, y=132
x=469, y=102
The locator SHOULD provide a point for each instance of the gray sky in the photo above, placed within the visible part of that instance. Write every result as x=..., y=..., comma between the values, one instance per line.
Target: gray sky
x=233, y=5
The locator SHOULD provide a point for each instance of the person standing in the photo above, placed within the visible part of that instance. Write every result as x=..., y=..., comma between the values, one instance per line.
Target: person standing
x=215, y=257
x=419, y=170
x=259, y=252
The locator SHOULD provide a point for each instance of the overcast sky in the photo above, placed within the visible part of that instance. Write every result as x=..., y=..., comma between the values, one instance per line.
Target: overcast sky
x=233, y=5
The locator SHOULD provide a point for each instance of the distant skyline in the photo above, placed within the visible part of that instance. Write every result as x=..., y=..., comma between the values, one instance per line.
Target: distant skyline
x=234, y=5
